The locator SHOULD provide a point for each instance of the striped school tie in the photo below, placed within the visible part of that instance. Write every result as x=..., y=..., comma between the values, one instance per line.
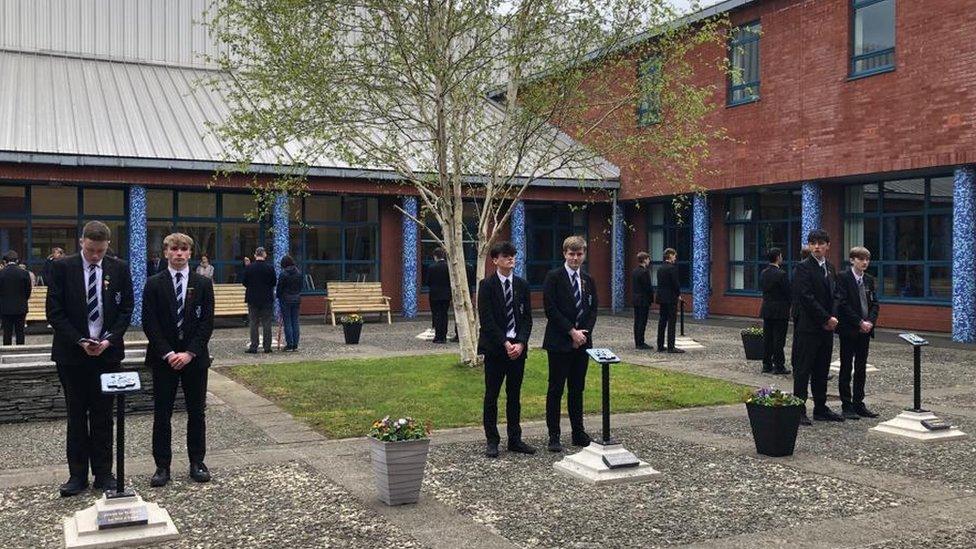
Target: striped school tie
x=93, y=293
x=579, y=298
x=179, y=301
x=509, y=306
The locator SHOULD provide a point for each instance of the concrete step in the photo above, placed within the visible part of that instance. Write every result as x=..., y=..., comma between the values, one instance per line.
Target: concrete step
x=132, y=362
x=31, y=358
x=46, y=347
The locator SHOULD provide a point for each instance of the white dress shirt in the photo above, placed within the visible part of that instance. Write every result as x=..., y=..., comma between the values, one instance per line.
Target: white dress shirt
x=94, y=327
x=184, y=282
x=511, y=333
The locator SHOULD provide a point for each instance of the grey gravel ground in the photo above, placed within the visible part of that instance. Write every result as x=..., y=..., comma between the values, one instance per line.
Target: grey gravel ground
x=964, y=538
x=36, y=444
x=851, y=442
x=282, y=505
x=702, y=494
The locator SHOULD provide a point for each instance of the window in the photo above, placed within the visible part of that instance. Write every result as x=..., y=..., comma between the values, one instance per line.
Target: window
x=669, y=228
x=744, y=64
x=650, y=81
x=546, y=226
x=757, y=222
x=469, y=241
x=872, y=36
x=907, y=226
x=339, y=241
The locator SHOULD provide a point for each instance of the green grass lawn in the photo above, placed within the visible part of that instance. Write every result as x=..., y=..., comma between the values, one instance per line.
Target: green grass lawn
x=341, y=398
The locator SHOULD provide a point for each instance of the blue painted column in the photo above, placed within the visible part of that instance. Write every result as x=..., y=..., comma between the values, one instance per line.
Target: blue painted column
x=701, y=252
x=810, y=210
x=137, y=248
x=964, y=255
x=617, y=263
x=410, y=233
x=517, y=226
x=279, y=223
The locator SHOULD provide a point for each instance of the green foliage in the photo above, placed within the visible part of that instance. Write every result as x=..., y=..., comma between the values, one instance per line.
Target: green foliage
x=339, y=397
x=756, y=331
x=352, y=318
x=395, y=430
x=769, y=396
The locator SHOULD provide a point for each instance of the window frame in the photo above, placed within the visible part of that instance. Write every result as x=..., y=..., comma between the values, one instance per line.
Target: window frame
x=649, y=108
x=556, y=229
x=791, y=254
x=342, y=225
x=670, y=228
x=853, y=73
x=753, y=85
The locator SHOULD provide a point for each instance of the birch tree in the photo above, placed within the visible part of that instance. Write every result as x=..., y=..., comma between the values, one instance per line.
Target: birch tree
x=464, y=100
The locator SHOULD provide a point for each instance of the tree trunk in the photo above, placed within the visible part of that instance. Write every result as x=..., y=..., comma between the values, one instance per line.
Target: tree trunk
x=465, y=316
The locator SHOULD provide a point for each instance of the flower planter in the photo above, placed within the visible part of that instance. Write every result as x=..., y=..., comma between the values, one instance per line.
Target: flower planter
x=351, y=332
x=399, y=469
x=753, y=346
x=774, y=428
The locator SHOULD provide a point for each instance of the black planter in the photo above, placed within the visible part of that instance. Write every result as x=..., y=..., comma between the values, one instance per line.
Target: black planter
x=753, y=346
x=774, y=428
x=351, y=332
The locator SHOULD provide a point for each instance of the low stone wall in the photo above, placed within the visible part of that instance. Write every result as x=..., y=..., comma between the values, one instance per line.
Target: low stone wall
x=33, y=393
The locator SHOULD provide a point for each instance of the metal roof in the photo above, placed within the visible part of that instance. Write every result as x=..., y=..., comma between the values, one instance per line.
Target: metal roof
x=71, y=110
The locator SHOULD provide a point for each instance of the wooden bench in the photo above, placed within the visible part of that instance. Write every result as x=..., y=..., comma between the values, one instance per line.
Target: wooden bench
x=37, y=304
x=357, y=297
x=228, y=301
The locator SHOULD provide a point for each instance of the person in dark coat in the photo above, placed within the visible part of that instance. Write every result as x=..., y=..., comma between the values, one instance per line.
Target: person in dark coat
x=259, y=280
x=439, y=294
x=177, y=317
x=15, y=291
x=857, y=312
x=289, y=293
x=155, y=265
x=56, y=254
x=640, y=279
x=505, y=315
x=668, y=295
x=775, y=312
x=89, y=305
x=816, y=321
x=570, y=300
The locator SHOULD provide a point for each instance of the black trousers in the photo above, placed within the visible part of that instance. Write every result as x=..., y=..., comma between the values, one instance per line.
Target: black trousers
x=853, y=357
x=260, y=316
x=813, y=352
x=89, y=436
x=667, y=314
x=566, y=368
x=13, y=324
x=640, y=323
x=774, y=339
x=499, y=369
x=193, y=378
x=438, y=318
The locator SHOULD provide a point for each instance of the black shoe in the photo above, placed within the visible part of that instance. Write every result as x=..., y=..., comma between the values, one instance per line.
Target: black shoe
x=805, y=420
x=660, y=350
x=291, y=349
x=520, y=447
x=863, y=411
x=827, y=415
x=199, y=472
x=160, y=477
x=581, y=439
x=644, y=346
x=767, y=369
x=491, y=449
x=104, y=482
x=268, y=351
x=554, y=444
x=849, y=413
x=781, y=371
x=74, y=486
x=676, y=351
x=439, y=341
x=251, y=351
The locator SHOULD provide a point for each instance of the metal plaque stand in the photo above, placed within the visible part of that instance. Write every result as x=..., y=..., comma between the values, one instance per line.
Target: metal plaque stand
x=915, y=423
x=119, y=517
x=605, y=461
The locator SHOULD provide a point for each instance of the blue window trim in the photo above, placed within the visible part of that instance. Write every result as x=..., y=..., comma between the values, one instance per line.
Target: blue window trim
x=753, y=85
x=855, y=74
x=878, y=264
x=645, y=115
x=790, y=254
x=558, y=235
x=671, y=228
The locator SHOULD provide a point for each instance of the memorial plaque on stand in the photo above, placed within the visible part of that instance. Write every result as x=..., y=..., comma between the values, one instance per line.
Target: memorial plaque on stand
x=119, y=518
